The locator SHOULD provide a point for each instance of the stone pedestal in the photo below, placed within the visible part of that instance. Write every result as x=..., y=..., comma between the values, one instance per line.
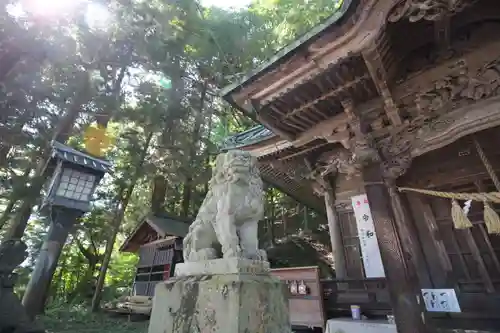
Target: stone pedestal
x=355, y=326
x=201, y=298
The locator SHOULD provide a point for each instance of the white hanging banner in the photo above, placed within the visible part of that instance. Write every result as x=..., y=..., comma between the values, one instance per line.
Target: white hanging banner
x=367, y=237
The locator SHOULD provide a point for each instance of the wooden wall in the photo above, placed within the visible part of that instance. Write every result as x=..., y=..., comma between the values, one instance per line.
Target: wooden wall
x=466, y=260
x=155, y=265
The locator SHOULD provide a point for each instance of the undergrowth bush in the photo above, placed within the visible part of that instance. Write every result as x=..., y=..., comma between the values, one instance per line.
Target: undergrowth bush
x=62, y=318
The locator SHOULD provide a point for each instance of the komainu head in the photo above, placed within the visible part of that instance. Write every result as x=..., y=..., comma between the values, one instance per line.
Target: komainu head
x=235, y=166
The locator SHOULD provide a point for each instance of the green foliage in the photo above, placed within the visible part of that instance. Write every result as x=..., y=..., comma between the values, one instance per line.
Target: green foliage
x=290, y=18
x=60, y=318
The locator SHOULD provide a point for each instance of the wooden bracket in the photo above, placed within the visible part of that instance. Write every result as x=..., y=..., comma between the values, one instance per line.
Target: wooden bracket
x=378, y=73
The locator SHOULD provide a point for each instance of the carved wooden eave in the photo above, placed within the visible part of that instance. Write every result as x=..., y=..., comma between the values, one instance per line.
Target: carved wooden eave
x=348, y=55
x=345, y=34
x=429, y=10
x=359, y=30
x=308, y=86
x=455, y=125
x=459, y=101
x=378, y=99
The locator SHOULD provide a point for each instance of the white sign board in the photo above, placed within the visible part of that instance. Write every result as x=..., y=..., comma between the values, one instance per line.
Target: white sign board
x=367, y=237
x=441, y=300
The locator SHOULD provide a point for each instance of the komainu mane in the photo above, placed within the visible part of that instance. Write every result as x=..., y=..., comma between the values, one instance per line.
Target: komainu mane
x=226, y=224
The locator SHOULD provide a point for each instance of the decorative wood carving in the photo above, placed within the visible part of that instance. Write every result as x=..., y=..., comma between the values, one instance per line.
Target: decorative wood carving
x=343, y=206
x=470, y=40
x=396, y=155
x=460, y=87
x=341, y=161
x=429, y=10
x=452, y=126
x=361, y=146
x=461, y=103
x=332, y=162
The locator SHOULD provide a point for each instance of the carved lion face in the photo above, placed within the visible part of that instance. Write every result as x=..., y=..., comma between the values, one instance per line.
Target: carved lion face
x=235, y=165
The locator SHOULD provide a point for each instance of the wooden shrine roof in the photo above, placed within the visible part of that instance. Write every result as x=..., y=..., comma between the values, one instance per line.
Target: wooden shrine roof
x=346, y=10
x=400, y=66
x=163, y=225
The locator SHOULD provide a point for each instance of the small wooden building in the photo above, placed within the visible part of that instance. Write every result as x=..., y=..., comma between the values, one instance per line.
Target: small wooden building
x=158, y=241
x=381, y=97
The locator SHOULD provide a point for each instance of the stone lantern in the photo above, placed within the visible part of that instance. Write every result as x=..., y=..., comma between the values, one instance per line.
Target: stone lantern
x=75, y=176
x=74, y=179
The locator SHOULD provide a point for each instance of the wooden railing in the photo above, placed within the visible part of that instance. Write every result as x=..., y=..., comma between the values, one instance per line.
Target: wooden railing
x=370, y=294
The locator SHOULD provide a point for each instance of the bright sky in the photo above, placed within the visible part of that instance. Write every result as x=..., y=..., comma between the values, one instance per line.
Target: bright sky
x=227, y=4
x=55, y=7
x=96, y=14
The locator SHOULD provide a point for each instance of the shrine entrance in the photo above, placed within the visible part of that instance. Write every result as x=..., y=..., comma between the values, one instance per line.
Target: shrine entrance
x=467, y=260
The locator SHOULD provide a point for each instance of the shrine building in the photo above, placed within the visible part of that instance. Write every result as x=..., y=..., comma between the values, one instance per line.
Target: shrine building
x=385, y=118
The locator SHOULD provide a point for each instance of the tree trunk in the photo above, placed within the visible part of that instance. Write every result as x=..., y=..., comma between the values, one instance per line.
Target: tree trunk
x=104, y=117
x=124, y=197
x=207, y=150
x=159, y=194
x=92, y=257
x=172, y=115
x=17, y=193
x=195, y=139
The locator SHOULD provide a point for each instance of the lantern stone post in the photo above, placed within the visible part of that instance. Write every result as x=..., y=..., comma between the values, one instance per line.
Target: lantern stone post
x=69, y=193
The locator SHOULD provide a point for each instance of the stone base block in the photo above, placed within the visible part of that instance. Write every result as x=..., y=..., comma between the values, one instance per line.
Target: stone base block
x=222, y=266
x=355, y=326
x=220, y=303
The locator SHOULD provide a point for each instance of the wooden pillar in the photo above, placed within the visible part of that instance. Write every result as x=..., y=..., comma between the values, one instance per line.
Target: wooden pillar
x=405, y=295
x=418, y=270
x=335, y=235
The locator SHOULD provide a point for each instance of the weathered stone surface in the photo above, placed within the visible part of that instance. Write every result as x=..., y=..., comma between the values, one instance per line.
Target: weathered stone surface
x=235, y=294
x=228, y=303
x=222, y=266
x=226, y=224
x=355, y=326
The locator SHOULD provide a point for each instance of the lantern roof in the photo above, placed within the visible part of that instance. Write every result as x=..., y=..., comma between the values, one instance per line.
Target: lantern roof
x=70, y=155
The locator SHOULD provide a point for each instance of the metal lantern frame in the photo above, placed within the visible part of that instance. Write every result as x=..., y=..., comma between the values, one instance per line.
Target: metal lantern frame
x=75, y=176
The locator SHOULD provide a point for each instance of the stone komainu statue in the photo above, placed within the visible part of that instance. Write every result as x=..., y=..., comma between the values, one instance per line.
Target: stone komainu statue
x=226, y=224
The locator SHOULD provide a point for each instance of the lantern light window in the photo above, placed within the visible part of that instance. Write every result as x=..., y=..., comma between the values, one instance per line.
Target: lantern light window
x=76, y=185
